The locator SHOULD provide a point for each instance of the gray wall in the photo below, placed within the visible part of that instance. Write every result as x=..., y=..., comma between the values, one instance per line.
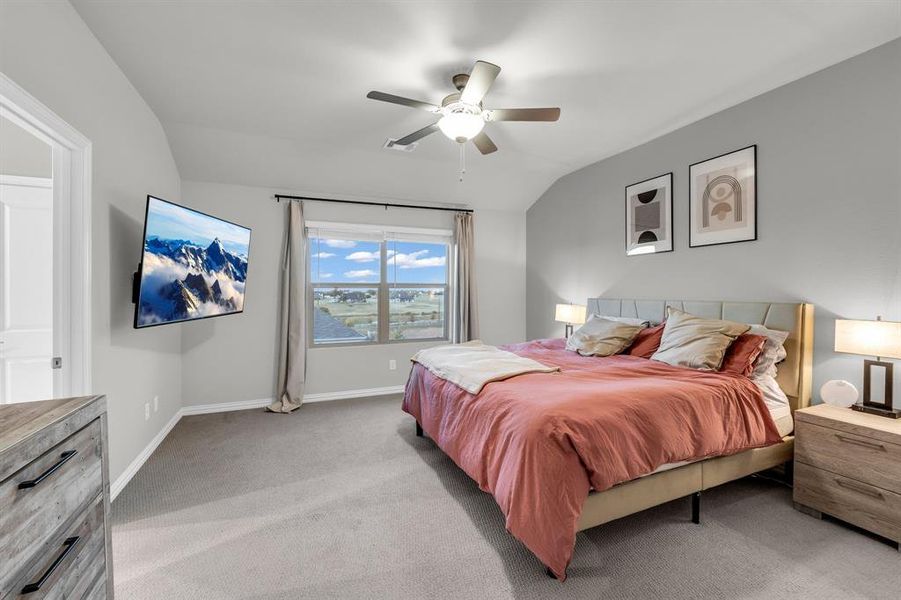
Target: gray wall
x=234, y=358
x=23, y=154
x=47, y=49
x=829, y=212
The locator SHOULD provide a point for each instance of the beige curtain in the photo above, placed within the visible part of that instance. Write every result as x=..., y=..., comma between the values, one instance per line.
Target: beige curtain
x=466, y=319
x=292, y=366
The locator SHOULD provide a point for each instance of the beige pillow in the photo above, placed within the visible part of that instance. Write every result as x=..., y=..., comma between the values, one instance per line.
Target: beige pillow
x=690, y=341
x=602, y=337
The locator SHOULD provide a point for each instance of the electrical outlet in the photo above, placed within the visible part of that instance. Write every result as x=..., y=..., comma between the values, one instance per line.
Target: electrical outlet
x=156, y=403
x=146, y=411
x=392, y=365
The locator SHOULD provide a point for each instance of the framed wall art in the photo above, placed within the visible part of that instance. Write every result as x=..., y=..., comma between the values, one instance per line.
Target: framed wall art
x=722, y=199
x=649, y=216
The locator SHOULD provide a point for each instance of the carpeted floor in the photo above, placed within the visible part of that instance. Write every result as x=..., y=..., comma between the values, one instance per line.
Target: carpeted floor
x=341, y=500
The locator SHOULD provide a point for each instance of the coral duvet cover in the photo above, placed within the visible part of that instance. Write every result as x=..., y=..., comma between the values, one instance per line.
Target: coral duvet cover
x=539, y=442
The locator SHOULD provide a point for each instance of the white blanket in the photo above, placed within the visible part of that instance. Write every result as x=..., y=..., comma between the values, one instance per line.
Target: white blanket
x=473, y=364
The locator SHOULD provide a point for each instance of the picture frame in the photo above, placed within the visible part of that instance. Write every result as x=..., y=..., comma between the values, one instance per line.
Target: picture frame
x=722, y=199
x=649, y=216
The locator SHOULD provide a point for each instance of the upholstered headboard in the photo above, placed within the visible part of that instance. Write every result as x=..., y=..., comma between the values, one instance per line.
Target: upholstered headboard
x=795, y=372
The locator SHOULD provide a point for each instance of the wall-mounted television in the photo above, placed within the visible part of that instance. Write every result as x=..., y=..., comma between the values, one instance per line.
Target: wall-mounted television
x=193, y=266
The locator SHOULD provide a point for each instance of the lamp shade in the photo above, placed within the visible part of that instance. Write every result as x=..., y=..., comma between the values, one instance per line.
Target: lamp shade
x=573, y=314
x=872, y=338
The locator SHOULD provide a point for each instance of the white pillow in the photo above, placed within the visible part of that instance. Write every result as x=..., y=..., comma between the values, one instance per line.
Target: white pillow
x=773, y=395
x=627, y=320
x=602, y=337
x=773, y=351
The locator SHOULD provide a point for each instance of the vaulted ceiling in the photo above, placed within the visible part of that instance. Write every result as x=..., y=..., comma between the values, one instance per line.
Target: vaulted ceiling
x=273, y=93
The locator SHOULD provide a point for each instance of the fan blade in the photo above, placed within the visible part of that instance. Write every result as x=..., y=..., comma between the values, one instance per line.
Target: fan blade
x=523, y=114
x=484, y=143
x=402, y=101
x=480, y=79
x=417, y=135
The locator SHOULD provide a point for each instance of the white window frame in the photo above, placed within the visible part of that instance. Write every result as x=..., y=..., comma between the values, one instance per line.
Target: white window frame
x=384, y=235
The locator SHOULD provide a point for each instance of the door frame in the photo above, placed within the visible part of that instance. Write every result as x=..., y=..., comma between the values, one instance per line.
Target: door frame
x=71, y=229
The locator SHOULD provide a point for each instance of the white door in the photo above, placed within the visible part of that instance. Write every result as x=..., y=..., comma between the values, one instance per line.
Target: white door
x=26, y=289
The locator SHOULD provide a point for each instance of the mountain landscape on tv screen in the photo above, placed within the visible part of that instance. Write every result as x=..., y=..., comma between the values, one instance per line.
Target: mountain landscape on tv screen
x=182, y=279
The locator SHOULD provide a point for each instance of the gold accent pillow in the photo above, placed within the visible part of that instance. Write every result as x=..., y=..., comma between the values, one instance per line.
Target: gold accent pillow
x=602, y=337
x=690, y=341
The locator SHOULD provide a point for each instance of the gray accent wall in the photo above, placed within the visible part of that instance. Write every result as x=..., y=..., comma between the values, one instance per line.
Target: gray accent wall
x=829, y=211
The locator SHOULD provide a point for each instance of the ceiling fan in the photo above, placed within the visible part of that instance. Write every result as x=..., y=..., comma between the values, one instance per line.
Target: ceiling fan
x=462, y=115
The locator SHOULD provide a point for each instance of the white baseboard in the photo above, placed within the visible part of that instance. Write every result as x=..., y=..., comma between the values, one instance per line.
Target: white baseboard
x=202, y=409
x=132, y=469
x=362, y=393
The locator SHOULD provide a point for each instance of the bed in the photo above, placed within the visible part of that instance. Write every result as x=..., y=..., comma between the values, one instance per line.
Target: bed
x=529, y=448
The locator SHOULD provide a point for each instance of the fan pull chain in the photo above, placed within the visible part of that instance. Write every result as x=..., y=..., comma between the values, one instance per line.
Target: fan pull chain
x=462, y=161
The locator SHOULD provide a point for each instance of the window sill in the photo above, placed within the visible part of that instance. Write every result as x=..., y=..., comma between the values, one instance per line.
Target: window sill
x=315, y=346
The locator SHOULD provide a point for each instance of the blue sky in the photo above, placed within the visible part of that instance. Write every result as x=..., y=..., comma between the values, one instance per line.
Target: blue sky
x=169, y=221
x=345, y=261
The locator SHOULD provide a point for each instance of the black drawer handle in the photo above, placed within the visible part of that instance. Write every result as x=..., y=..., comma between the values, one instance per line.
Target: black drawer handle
x=68, y=545
x=63, y=459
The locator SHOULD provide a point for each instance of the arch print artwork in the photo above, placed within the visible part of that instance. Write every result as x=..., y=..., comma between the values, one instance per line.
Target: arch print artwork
x=723, y=199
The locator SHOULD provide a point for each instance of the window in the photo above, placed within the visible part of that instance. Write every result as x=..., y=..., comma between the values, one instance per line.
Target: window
x=373, y=286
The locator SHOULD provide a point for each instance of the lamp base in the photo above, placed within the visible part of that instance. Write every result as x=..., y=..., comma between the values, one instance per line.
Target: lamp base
x=891, y=413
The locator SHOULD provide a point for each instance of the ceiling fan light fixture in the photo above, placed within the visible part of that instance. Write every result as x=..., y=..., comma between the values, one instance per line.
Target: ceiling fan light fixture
x=461, y=123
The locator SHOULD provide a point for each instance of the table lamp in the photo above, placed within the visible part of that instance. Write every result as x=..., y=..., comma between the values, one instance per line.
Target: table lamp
x=571, y=314
x=878, y=338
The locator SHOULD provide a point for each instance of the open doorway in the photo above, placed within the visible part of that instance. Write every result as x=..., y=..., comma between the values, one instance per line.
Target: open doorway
x=44, y=252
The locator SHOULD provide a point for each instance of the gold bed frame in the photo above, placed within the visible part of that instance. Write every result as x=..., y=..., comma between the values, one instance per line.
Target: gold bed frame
x=794, y=377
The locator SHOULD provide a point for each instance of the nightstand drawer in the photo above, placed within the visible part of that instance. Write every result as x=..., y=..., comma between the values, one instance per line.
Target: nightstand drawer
x=850, y=500
x=866, y=459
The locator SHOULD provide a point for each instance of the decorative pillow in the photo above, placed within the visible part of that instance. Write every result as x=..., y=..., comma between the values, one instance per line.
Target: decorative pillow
x=740, y=356
x=602, y=337
x=646, y=342
x=628, y=320
x=773, y=350
x=690, y=341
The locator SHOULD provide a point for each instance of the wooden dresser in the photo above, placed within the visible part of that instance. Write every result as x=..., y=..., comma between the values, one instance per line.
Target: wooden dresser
x=54, y=500
x=848, y=465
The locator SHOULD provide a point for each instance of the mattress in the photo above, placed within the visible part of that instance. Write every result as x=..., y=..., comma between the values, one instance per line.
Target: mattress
x=785, y=424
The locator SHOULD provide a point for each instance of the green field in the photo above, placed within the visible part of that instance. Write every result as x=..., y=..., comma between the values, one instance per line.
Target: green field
x=423, y=317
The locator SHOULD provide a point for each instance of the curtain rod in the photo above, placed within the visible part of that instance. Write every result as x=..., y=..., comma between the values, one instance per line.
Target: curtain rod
x=280, y=197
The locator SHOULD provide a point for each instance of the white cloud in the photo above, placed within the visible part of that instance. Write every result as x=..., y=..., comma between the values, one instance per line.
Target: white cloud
x=363, y=256
x=361, y=273
x=323, y=255
x=417, y=260
x=339, y=243
x=326, y=275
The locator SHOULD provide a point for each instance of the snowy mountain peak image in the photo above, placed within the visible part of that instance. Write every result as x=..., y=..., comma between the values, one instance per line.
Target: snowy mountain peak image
x=194, y=265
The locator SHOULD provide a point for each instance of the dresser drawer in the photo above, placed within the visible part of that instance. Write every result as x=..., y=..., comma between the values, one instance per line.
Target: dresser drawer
x=45, y=495
x=72, y=563
x=867, y=459
x=859, y=503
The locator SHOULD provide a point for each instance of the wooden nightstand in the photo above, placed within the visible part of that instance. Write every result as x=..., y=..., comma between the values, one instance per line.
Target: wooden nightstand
x=848, y=465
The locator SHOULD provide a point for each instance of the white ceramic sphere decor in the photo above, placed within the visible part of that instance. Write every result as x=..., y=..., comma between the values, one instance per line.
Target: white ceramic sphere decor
x=839, y=392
